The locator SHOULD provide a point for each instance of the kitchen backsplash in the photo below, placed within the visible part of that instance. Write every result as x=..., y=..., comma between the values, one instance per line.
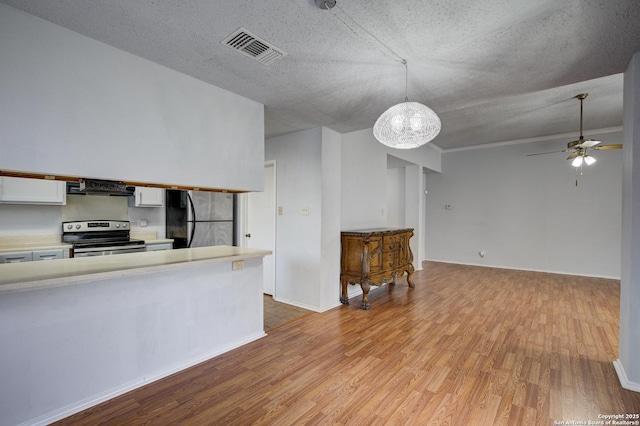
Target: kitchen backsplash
x=89, y=207
x=27, y=220
x=38, y=220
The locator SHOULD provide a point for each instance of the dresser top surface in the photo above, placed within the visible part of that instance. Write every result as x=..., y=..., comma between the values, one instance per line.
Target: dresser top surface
x=377, y=231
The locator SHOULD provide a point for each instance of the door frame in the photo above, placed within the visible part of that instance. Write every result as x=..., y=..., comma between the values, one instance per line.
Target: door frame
x=244, y=221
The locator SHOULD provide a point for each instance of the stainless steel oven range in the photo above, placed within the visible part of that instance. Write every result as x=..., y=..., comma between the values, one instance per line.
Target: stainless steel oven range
x=100, y=238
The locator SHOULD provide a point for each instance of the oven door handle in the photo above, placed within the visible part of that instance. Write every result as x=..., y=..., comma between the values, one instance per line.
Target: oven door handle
x=119, y=249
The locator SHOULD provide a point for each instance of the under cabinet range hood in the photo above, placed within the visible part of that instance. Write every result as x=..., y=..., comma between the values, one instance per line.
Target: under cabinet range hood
x=99, y=187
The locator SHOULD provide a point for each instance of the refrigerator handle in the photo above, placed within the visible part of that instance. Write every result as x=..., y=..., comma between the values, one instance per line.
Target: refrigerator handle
x=193, y=223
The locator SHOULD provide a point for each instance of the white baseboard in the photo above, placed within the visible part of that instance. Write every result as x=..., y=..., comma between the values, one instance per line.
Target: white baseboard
x=74, y=408
x=299, y=305
x=523, y=269
x=327, y=308
x=624, y=380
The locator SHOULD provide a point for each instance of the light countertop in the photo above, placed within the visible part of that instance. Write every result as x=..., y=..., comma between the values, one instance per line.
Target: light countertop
x=149, y=237
x=60, y=272
x=52, y=242
x=158, y=241
x=32, y=243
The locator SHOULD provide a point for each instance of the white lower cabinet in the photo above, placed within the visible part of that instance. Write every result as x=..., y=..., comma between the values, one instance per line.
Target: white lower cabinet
x=48, y=254
x=159, y=246
x=28, y=256
x=32, y=191
x=16, y=257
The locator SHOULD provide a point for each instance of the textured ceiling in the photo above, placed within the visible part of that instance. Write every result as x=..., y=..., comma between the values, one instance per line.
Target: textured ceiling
x=494, y=70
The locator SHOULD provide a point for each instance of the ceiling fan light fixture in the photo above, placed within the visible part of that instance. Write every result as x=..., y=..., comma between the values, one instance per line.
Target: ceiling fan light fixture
x=577, y=162
x=589, y=160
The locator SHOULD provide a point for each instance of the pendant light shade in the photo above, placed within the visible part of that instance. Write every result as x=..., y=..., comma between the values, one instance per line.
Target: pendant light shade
x=407, y=125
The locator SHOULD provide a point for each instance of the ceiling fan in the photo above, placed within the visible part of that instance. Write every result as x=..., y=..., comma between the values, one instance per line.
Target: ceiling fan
x=579, y=147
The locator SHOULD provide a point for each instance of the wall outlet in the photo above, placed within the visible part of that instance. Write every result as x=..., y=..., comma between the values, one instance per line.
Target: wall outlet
x=304, y=211
x=280, y=210
x=448, y=207
x=237, y=265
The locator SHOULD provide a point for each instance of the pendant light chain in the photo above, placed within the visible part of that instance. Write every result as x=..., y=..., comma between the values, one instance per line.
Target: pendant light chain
x=405, y=125
x=406, y=80
x=388, y=49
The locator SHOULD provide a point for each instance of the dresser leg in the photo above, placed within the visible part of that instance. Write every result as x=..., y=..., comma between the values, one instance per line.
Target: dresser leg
x=365, y=296
x=344, y=297
x=410, y=270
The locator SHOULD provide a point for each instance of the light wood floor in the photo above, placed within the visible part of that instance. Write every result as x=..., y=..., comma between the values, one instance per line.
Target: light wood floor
x=467, y=346
x=278, y=313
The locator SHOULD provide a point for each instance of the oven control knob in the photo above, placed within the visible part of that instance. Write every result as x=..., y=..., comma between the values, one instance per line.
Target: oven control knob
x=78, y=226
x=69, y=226
x=117, y=225
x=124, y=225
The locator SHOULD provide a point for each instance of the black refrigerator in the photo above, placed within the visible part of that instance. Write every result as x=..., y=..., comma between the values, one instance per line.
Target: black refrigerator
x=200, y=218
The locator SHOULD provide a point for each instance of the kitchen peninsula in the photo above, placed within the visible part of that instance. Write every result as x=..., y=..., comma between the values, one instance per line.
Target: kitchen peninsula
x=76, y=332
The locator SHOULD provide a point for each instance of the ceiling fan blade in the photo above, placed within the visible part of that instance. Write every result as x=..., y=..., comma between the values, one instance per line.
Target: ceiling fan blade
x=616, y=146
x=589, y=143
x=550, y=152
x=573, y=155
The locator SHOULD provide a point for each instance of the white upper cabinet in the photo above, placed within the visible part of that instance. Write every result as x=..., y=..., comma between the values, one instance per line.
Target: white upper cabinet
x=32, y=191
x=149, y=197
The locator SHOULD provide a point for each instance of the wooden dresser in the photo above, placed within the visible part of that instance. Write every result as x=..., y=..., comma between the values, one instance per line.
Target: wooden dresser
x=372, y=257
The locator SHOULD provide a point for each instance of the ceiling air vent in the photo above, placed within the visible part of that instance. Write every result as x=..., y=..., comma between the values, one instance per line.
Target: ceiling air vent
x=253, y=47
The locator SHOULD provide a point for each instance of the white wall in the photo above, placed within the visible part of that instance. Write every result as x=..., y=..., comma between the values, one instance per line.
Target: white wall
x=30, y=220
x=628, y=364
x=364, y=185
x=526, y=212
x=396, y=197
x=82, y=344
x=308, y=247
x=330, y=223
x=73, y=106
x=298, y=237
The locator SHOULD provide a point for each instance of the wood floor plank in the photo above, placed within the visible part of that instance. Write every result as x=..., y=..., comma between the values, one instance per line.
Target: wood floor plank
x=467, y=346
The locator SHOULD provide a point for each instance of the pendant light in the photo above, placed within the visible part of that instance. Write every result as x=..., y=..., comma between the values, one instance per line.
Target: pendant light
x=408, y=124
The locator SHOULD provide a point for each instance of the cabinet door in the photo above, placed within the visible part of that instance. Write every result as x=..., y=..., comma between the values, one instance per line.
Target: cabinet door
x=161, y=246
x=16, y=257
x=48, y=254
x=149, y=197
x=32, y=191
